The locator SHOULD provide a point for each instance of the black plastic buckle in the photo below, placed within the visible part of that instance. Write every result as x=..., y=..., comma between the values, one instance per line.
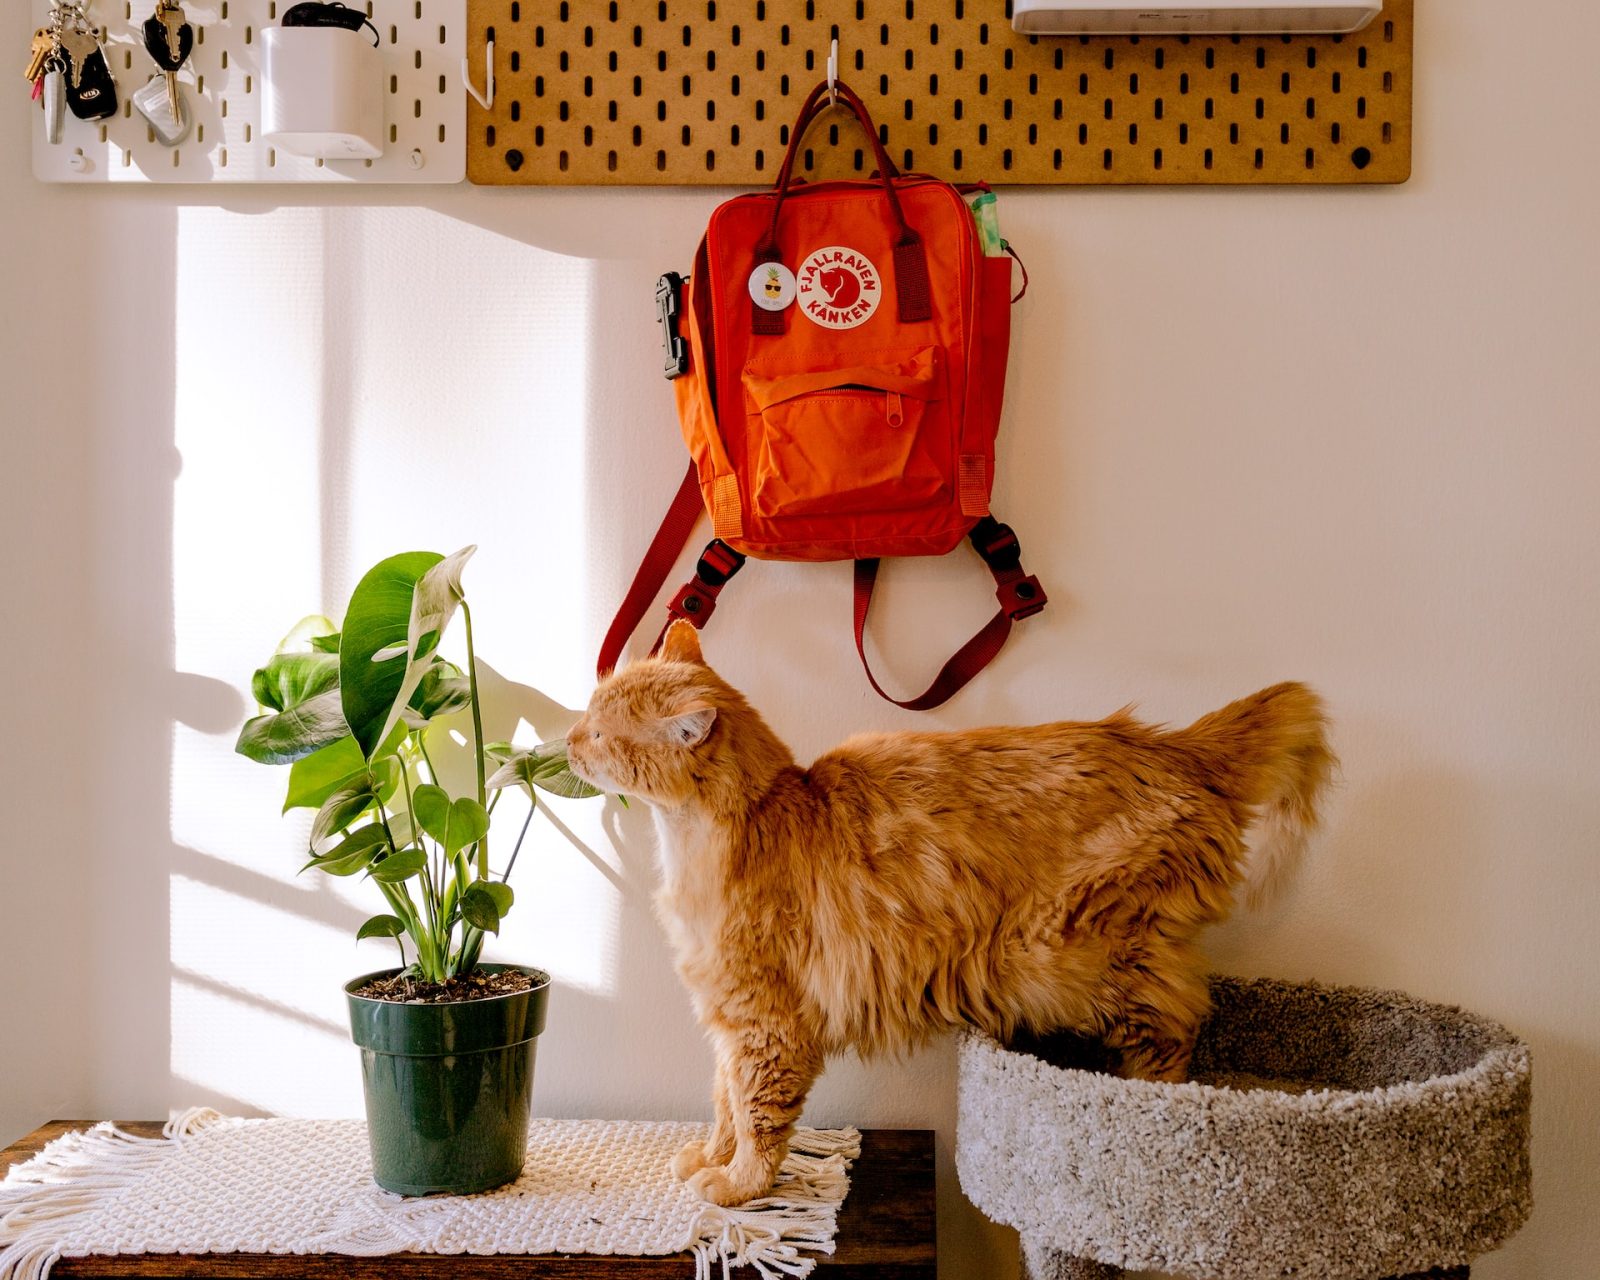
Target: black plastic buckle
x=718, y=562
x=674, y=350
x=997, y=544
x=1022, y=598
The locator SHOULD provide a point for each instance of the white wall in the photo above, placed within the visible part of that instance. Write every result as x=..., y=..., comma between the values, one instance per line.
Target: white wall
x=1346, y=436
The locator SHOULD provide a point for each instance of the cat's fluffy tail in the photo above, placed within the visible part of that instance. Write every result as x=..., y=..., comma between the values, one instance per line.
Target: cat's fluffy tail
x=1270, y=751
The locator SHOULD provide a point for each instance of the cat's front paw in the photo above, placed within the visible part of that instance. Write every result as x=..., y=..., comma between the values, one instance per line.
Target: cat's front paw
x=715, y=1185
x=691, y=1158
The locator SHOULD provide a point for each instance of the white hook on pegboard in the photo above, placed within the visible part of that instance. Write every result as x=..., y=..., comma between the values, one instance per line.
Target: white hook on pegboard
x=833, y=73
x=484, y=100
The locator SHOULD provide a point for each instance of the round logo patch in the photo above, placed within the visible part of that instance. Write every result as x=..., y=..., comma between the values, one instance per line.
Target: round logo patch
x=838, y=288
x=772, y=286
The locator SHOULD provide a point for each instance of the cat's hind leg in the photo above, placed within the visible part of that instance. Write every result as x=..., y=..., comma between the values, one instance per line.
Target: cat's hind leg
x=719, y=1144
x=768, y=1072
x=1161, y=1004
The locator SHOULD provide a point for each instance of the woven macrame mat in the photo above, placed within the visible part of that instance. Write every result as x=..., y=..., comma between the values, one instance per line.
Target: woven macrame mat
x=215, y=1184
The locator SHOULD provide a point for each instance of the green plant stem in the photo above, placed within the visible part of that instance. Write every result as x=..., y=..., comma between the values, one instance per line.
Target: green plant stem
x=463, y=878
x=521, y=836
x=400, y=900
x=437, y=944
x=470, y=951
x=477, y=734
x=435, y=882
x=429, y=959
x=383, y=817
x=422, y=746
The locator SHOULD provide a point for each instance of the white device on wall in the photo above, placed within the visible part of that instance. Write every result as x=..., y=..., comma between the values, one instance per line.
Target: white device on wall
x=322, y=92
x=1139, y=17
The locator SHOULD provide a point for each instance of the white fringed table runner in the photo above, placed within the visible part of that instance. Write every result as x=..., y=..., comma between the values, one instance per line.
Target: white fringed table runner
x=215, y=1184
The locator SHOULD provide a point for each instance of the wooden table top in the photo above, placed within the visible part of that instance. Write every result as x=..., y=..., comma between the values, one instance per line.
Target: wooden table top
x=886, y=1229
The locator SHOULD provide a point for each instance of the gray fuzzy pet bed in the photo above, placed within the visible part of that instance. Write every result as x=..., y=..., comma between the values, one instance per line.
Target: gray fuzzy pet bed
x=1328, y=1133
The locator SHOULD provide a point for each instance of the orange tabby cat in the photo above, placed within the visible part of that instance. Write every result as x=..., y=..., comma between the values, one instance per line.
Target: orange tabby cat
x=1022, y=878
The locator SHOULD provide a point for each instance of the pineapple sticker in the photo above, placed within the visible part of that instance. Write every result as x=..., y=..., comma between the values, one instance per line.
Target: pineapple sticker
x=772, y=286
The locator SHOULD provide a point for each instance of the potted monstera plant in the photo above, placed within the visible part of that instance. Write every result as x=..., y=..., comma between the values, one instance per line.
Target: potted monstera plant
x=447, y=1041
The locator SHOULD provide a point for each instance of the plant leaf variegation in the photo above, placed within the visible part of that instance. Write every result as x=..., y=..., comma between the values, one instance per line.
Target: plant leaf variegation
x=347, y=708
x=544, y=767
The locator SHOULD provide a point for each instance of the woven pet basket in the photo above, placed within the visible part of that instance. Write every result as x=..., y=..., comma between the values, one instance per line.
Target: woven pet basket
x=1328, y=1133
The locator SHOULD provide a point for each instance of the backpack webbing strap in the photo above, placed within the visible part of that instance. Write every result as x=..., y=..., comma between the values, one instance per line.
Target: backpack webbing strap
x=670, y=539
x=1020, y=596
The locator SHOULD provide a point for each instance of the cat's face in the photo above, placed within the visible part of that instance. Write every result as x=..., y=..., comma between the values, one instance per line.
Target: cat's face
x=646, y=731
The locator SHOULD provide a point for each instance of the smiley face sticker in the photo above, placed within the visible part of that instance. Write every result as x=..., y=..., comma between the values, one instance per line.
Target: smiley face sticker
x=772, y=286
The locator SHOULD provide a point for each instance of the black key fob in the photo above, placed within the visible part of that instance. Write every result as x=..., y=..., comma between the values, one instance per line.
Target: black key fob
x=155, y=43
x=94, y=97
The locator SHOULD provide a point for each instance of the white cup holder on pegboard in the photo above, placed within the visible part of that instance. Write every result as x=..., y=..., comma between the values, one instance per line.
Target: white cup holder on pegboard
x=322, y=93
x=339, y=109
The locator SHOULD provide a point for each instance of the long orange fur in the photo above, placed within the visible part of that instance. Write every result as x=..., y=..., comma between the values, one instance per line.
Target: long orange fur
x=1037, y=878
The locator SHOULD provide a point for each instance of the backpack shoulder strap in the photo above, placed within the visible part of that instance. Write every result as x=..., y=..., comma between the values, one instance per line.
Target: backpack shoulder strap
x=1020, y=596
x=695, y=600
x=670, y=539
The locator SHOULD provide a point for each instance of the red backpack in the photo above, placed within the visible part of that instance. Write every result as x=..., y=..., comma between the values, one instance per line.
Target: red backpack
x=839, y=361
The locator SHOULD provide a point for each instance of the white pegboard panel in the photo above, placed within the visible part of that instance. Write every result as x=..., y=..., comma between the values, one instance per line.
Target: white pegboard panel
x=425, y=112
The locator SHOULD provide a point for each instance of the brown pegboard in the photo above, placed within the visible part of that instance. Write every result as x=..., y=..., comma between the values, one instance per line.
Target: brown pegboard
x=702, y=92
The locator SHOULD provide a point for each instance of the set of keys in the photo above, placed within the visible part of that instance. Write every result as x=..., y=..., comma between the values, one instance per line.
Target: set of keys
x=169, y=40
x=68, y=70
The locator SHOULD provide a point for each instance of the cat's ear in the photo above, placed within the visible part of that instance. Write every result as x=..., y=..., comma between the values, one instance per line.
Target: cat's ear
x=691, y=725
x=682, y=643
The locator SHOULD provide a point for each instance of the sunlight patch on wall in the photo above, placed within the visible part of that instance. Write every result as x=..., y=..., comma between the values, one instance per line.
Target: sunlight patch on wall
x=352, y=383
x=568, y=909
x=246, y=544
x=235, y=1053
x=285, y=952
x=456, y=411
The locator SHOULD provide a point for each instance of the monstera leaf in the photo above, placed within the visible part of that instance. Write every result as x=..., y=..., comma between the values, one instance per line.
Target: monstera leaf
x=290, y=679
x=352, y=854
x=384, y=926
x=454, y=824
x=313, y=778
x=484, y=903
x=298, y=691
x=292, y=734
x=374, y=625
x=352, y=798
x=397, y=614
x=544, y=767
x=444, y=688
x=399, y=866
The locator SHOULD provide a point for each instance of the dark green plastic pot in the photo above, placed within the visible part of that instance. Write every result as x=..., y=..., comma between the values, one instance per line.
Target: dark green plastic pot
x=448, y=1086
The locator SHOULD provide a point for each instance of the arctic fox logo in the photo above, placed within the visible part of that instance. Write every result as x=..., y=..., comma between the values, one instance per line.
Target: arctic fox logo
x=842, y=287
x=838, y=288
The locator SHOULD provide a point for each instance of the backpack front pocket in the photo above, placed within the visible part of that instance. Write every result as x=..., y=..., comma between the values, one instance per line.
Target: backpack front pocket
x=852, y=440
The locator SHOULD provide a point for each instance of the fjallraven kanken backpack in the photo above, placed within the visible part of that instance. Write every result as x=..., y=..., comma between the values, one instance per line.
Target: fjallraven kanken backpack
x=839, y=357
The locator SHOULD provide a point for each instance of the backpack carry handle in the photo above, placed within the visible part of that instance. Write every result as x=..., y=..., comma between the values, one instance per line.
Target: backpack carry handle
x=913, y=291
x=814, y=106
